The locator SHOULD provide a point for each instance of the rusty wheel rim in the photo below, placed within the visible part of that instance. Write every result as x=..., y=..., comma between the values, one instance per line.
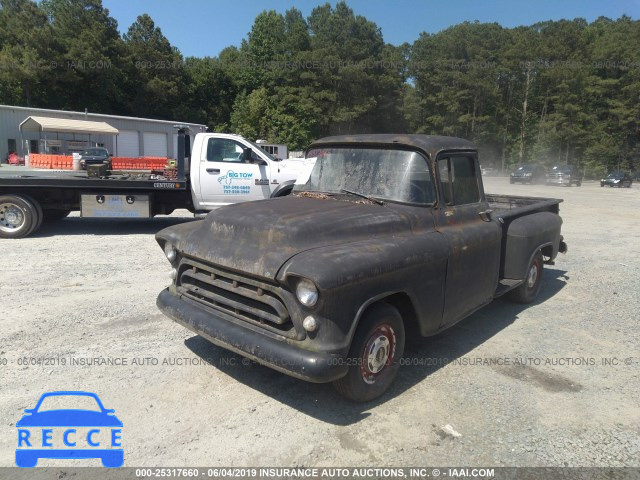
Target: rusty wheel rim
x=378, y=354
x=534, y=274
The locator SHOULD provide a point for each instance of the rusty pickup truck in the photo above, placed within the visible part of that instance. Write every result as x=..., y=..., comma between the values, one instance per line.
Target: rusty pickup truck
x=390, y=236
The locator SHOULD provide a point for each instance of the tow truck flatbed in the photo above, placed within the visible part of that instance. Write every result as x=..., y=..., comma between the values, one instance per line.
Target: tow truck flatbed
x=80, y=180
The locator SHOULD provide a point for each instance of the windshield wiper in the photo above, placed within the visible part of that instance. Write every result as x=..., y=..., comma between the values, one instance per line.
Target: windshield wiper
x=361, y=195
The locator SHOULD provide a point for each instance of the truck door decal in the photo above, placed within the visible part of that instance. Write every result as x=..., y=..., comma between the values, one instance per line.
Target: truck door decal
x=236, y=183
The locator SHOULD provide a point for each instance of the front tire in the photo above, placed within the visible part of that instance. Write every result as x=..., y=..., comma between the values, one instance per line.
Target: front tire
x=373, y=358
x=528, y=291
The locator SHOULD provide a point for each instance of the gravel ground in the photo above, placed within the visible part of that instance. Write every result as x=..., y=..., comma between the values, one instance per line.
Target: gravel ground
x=80, y=290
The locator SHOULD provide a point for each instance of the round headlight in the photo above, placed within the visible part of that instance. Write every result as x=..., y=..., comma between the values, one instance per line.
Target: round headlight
x=307, y=293
x=170, y=252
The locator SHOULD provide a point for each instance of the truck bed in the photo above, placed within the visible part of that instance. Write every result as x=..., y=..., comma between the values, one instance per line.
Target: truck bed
x=508, y=207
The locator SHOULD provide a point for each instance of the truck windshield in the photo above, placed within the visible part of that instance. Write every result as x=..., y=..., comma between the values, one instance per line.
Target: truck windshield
x=94, y=152
x=396, y=175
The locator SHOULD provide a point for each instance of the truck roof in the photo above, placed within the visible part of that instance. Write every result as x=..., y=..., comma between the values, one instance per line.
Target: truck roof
x=429, y=144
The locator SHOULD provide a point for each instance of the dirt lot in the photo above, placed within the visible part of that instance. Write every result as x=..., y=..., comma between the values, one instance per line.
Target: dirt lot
x=84, y=290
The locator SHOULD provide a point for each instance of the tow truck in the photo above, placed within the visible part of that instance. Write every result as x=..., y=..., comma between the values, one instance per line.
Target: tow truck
x=220, y=169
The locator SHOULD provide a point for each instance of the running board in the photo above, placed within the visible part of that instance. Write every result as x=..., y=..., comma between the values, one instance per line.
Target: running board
x=505, y=285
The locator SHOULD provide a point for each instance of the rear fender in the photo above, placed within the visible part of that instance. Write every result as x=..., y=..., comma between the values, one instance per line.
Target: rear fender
x=527, y=235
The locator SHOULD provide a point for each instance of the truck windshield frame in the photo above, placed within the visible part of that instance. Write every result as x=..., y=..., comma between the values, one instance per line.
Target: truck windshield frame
x=390, y=174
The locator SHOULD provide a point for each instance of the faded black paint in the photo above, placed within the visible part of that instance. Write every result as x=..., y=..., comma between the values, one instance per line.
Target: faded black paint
x=446, y=259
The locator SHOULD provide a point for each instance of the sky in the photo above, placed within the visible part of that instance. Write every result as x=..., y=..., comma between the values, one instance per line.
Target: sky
x=205, y=27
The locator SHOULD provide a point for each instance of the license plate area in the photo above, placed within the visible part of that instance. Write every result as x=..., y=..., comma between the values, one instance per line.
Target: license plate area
x=102, y=205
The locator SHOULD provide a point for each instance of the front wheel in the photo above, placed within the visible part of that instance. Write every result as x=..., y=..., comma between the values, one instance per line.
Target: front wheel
x=528, y=291
x=377, y=347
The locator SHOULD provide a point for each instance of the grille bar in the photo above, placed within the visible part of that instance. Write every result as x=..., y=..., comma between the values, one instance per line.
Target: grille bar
x=245, y=298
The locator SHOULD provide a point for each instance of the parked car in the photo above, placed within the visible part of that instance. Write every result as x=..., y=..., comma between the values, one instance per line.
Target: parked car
x=529, y=174
x=565, y=175
x=14, y=159
x=95, y=156
x=391, y=236
x=617, y=179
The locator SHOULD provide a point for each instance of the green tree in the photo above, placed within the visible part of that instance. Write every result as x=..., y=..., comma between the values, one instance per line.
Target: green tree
x=88, y=53
x=25, y=53
x=156, y=76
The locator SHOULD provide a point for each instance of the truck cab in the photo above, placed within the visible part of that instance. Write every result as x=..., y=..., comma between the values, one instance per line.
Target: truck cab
x=227, y=168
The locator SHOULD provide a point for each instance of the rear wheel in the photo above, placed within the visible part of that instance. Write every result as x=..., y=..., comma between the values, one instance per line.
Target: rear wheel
x=39, y=212
x=377, y=347
x=18, y=216
x=528, y=291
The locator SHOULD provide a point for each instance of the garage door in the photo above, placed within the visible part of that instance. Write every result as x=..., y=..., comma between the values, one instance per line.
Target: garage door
x=128, y=144
x=155, y=144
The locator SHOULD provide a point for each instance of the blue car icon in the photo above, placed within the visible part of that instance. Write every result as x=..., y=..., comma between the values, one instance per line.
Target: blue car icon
x=101, y=422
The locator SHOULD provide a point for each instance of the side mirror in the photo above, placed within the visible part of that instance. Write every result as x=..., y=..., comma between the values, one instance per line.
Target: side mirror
x=249, y=156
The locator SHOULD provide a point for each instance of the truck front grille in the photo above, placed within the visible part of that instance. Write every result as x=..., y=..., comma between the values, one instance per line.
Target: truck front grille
x=244, y=298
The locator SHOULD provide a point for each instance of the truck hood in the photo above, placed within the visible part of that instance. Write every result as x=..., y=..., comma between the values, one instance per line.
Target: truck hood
x=259, y=237
x=298, y=168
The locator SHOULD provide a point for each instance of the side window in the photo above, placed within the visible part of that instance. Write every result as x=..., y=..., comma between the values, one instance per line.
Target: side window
x=459, y=180
x=224, y=150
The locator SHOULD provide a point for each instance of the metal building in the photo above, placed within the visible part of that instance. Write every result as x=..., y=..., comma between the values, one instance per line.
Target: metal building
x=137, y=137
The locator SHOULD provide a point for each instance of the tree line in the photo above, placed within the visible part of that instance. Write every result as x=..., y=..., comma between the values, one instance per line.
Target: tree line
x=563, y=91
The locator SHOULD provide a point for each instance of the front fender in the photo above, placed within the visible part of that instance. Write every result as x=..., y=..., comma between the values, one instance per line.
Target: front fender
x=282, y=187
x=349, y=276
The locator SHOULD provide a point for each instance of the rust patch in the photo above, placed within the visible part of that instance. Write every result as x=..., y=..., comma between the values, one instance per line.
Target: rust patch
x=321, y=196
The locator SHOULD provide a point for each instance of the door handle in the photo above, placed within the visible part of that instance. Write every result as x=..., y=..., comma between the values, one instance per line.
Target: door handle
x=213, y=170
x=486, y=215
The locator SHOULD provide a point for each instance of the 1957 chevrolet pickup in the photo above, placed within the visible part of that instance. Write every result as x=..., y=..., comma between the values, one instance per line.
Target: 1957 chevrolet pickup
x=391, y=235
